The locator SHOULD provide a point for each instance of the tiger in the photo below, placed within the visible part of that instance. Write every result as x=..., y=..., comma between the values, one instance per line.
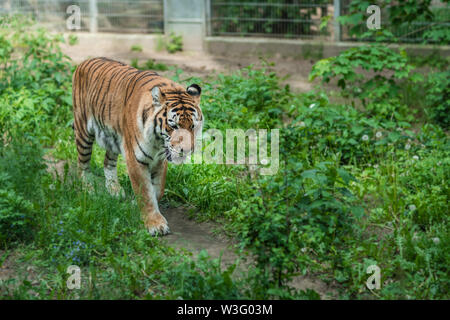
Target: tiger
x=148, y=119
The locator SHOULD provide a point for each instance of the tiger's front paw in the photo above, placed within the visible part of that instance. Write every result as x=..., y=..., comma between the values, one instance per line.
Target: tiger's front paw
x=156, y=224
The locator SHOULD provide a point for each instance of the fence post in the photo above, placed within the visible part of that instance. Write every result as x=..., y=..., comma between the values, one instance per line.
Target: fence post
x=208, y=17
x=186, y=18
x=93, y=16
x=337, y=27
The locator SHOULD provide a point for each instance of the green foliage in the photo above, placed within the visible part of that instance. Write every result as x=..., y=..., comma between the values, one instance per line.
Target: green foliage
x=15, y=217
x=408, y=21
x=35, y=92
x=202, y=279
x=136, y=48
x=21, y=167
x=73, y=39
x=354, y=188
x=173, y=43
x=379, y=88
x=271, y=17
x=302, y=209
x=249, y=98
x=149, y=65
x=344, y=132
x=438, y=98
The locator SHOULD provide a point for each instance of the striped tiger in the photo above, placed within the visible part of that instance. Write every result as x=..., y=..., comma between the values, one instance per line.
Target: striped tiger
x=141, y=115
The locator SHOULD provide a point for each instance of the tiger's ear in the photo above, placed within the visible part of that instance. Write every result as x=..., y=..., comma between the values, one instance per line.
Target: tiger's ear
x=158, y=97
x=194, y=90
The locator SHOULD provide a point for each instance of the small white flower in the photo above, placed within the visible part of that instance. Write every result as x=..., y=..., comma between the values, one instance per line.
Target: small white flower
x=412, y=207
x=375, y=166
x=378, y=134
x=302, y=124
x=407, y=146
x=304, y=250
x=264, y=161
x=51, y=187
x=365, y=137
x=416, y=157
x=436, y=240
x=312, y=105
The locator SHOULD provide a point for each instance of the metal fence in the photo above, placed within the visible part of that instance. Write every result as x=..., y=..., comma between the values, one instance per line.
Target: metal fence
x=130, y=16
x=282, y=19
x=266, y=18
x=303, y=19
x=412, y=32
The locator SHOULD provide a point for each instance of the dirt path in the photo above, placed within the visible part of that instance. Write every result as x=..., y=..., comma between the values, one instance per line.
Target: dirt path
x=193, y=236
x=198, y=64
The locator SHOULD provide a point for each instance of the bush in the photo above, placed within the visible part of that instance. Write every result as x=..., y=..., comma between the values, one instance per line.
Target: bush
x=35, y=92
x=249, y=98
x=380, y=87
x=343, y=132
x=21, y=169
x=438, y=98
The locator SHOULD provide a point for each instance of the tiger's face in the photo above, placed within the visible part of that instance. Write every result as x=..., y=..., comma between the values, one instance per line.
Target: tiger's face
x=180, y=121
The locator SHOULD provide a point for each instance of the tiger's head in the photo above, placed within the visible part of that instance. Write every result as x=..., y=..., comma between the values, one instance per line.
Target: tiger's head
x=179, y=120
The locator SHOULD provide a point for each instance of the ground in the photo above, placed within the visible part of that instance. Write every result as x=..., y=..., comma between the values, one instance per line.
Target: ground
x=187, y=233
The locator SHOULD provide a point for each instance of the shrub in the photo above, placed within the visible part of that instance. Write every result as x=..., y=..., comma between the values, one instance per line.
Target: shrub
x=380, y=87
x=438, y=98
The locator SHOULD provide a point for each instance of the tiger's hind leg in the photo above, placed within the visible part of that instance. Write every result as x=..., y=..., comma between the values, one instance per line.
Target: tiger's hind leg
x=83, y=141
x=110, y=169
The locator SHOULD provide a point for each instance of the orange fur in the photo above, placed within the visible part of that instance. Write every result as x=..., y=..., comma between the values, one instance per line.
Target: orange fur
x=126, y=110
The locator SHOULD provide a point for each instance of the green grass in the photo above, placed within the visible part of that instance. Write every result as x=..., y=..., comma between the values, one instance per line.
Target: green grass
x=356, y=187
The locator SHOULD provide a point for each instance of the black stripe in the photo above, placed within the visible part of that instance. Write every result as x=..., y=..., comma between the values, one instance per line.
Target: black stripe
x=103, y=104
x=153, y=78
x=145, y=115
x=89, y=143
x=84, y=154
x=79, y=144
x=132, y=76
x=109, y=159
x=141, y=162
x=116, y=142
x=140, y=148
x=143, y=76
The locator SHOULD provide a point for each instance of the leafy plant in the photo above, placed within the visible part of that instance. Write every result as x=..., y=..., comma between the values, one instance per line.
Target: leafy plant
x=379, y=89
x=174, y=43
x=438, y=98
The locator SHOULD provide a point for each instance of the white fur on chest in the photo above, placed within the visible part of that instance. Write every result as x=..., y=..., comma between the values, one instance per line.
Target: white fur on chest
x=150, y=150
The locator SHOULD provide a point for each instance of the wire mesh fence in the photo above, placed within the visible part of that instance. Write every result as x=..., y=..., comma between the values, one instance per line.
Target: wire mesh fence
x=134, y=16
x=411, y=32
x=308, y=19
x=313, y=19
x=273, y=18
